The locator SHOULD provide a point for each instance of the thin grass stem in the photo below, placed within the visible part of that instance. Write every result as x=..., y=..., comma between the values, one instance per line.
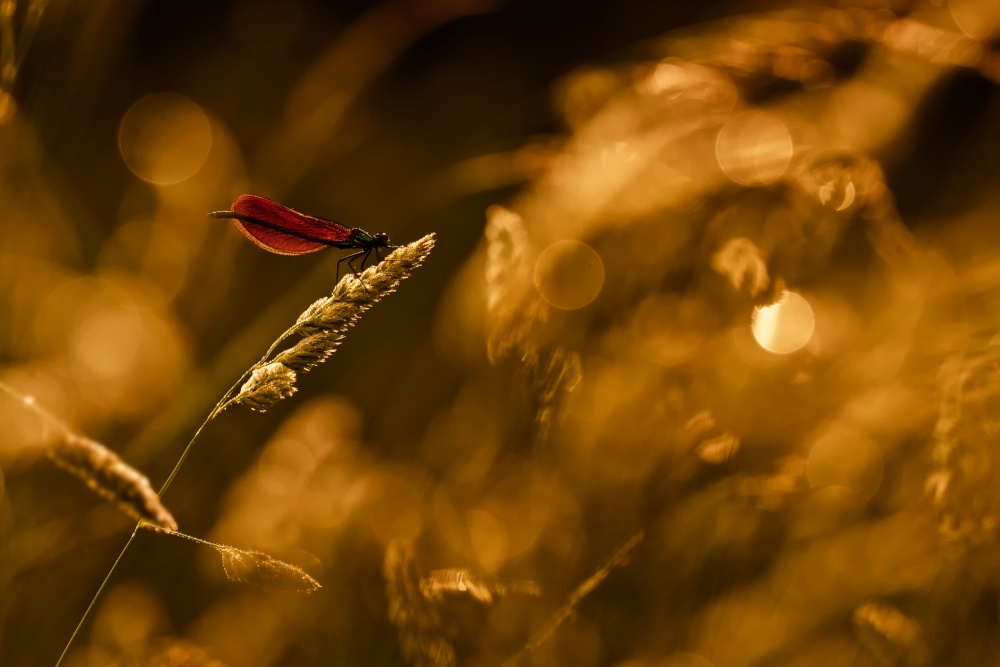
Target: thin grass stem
x=223, y=403
x=254, y=566
x=97, y=595
x=36, y=408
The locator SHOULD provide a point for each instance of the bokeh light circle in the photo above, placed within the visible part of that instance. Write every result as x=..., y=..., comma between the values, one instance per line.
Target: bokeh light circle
x=845, y=458
x=106, y=340
x=979, y=19
x=784, y=326
x=164, y=138
x=754, y=148
x=489, y=539
x=569, y=274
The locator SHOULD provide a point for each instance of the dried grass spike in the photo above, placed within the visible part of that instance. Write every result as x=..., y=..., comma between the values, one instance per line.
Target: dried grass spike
x=110, y=477
x=259, y=569
x=620, y=557
x=890, y=635
x=508, y=255
x=382, y=279
x=514, y=310
x=310, y=351
x=421, y=631
x=266, y=386
x=560, y=376
x=325, y=315
x=353, y=295
x=719, y=449
x=311, y=314
x=461, y=581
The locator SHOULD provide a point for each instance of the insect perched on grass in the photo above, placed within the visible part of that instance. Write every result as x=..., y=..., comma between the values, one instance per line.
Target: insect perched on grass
x=282, y=230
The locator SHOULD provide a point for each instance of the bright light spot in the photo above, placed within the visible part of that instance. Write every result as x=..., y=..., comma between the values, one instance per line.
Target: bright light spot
x=784, y=326
x=839, y=196
x=693, y=91
x=107, y=340
x=569, y=274
x=164, y=138
x=667, y=76
x=754, y=148
x=835, y=180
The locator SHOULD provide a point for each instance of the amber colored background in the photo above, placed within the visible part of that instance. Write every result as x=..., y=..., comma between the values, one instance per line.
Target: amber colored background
x=819, y=492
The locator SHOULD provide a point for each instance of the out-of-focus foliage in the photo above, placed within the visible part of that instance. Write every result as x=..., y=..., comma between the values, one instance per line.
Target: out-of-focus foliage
x=702, y=371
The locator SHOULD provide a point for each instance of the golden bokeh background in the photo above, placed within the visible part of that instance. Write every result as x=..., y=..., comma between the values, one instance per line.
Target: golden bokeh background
x=701, y=372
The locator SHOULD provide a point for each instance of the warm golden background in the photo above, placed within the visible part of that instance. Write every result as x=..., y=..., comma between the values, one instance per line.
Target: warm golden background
x=615, y=188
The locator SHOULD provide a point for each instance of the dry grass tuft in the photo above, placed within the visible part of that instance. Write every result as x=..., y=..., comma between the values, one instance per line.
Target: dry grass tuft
x=113, y=479
x=462, y=582
x=517, y=315
x=267, y=385
x=422, y=637
x=103, y=471
x=259, y=569
x=618, y=558
x=310, y=352
x=514, y=309
x=889, y=634
x=353, y=295
x=324, y=324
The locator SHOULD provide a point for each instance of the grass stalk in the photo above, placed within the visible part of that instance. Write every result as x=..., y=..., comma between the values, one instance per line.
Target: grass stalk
x=329, y=316
x=97, y=595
